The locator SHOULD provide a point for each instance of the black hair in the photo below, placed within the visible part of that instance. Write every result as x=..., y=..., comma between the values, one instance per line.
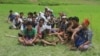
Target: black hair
x=21, y=13
x=41, y=20
x=35, y=12
x=30, y=13
x=10, y=11
x=28, y=23
x=70, y=18
x=75, y=18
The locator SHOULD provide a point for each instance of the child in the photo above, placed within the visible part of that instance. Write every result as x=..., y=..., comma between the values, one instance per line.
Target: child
x=11, y=16
x=82, y=36
x=28, y=35
x=41, y=30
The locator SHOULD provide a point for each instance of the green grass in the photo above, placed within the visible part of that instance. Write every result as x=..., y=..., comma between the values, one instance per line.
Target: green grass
x=50, y=2
x=9, y=46
x=15, y=1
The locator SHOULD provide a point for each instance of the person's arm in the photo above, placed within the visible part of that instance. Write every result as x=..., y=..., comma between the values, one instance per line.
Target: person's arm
x=75, y=31
x=13, y=24
x=70, y=27
x=90, y=34
x=34, y=37
x=21, y=22
x=87, y=42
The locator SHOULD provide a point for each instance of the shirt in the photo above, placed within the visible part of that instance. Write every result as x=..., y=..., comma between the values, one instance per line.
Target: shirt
x=83, y=36
x=11, y=17
x=29, y=34
x=16, y=22
x=41, y=28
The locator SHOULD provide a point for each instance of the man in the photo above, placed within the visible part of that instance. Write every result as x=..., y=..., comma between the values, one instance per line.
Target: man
x=22, y=15
x=28, y=35
x=30, y=15
x=34, y=23
x=73, y=23
x=82, y=36
x=61, y=30
x=11, y=16
x=17, y=22
x=42, y=32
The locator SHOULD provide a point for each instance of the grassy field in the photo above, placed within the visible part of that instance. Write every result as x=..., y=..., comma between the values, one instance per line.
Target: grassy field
x=9, y=46
x=50, y=2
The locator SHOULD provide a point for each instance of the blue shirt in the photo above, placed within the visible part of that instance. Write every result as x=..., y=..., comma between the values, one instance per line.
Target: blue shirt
x=82, y=37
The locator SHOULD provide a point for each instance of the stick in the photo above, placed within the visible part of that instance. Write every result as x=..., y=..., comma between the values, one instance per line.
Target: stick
x=7, y=35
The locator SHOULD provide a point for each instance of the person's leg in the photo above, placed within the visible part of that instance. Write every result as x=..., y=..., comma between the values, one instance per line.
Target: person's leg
x=59, y=35
x=72, y=43
x=21, y=40
x=48, y=43
x=66, y=38
x=30, y=42
x=83, y=47
x=36, y=41
x=27, y=41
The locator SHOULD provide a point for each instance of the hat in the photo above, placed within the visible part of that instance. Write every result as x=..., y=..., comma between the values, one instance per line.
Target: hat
x=16, y=14
x=86, y=21
x=64, y=17
x=50, y=10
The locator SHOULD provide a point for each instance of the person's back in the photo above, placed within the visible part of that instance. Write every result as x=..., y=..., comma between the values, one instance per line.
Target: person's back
x=11, y=16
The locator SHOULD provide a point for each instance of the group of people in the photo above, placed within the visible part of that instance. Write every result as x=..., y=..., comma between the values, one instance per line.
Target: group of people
x=39, y=27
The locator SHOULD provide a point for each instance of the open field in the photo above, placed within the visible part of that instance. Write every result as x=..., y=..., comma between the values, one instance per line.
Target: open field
x=9, y=46
x=51, y=2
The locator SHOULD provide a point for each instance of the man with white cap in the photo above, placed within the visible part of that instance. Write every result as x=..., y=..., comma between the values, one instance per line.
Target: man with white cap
x=17, y=22
x=61, y=30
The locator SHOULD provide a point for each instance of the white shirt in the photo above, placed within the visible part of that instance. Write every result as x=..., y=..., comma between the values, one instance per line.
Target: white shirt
x=47, y=26
x=41, y=28
x=19, y=21
x=14, y=22
x=29, y=19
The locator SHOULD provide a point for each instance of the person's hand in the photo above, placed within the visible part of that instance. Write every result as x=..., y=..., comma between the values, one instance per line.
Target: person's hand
x=30, y=41
x=72, y=24
x=72, y=38
x=40, y=36
x=50, y=34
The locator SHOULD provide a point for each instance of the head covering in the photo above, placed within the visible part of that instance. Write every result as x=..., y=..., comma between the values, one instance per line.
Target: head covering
x=64, y=17
x=16, y=14
x=86, y=21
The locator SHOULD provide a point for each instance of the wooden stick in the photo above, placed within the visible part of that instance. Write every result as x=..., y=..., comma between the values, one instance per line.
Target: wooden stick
x=7, y=35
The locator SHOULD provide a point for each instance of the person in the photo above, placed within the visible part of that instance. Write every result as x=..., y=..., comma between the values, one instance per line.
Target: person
x=22, y=15
x=34, y=22
x=42, y=32
x=73, y=22
x=28, y=35
x=11, y=16
x=17, y=22
x=61, y=30
x=35, y=14
x=30, y=15
x=52, y=21
x=82, y=36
